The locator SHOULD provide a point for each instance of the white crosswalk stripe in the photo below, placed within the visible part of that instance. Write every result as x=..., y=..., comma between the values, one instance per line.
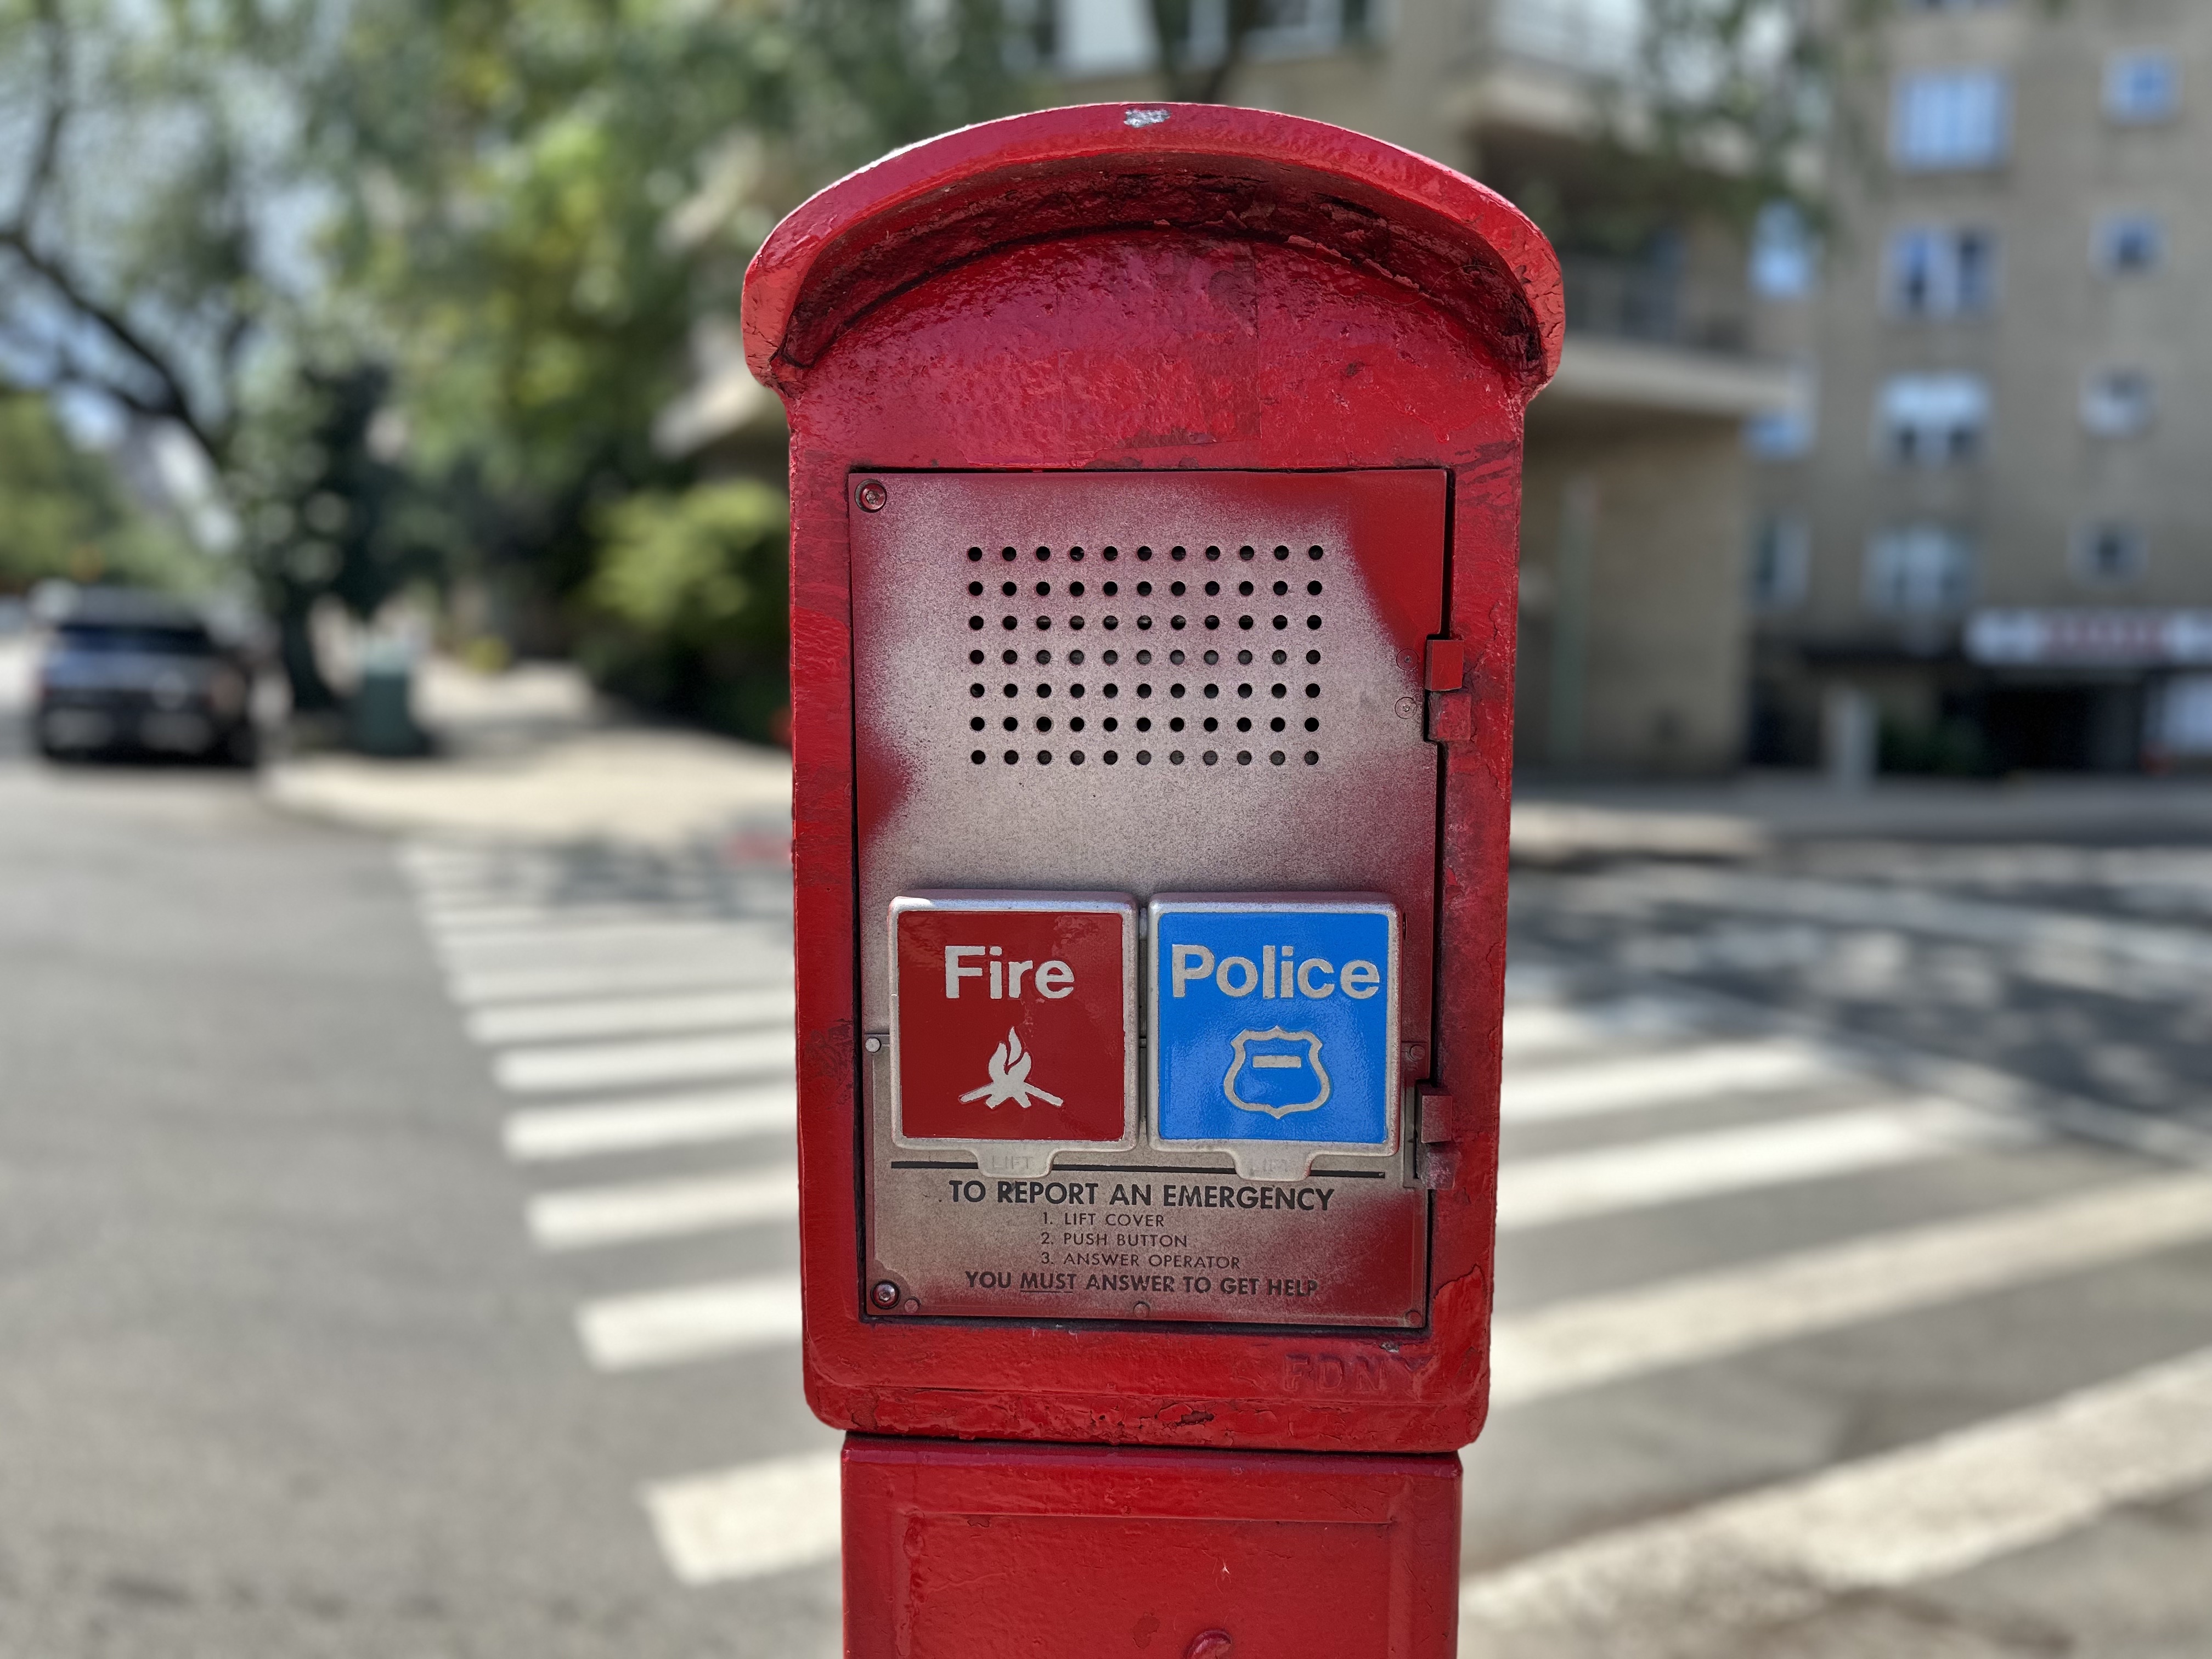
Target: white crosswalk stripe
x=1534, y=1030
x=462, y=921
x=1604, y=1338
x=702, y=968
x=547, y=1133
x=615, y=941
x=667, y=1328
x=748, y=1521
x=1544, y=1192
x=558, y=1022
x=582, y=1218
x=664, y=1028
x=1642, y=1082
x=641, y=1064
x=1676, y=1586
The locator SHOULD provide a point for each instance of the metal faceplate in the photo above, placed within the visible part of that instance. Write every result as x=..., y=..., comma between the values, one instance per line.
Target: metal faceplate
x=1146, y=683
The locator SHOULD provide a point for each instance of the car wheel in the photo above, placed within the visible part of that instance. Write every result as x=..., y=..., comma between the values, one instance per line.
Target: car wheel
x=43, y=740
x=242, y=747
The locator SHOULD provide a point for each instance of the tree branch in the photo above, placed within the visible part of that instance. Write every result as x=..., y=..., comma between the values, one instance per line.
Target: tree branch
x=55, y=116
x=1186, y=82
x=175, y=402
x=232, y=342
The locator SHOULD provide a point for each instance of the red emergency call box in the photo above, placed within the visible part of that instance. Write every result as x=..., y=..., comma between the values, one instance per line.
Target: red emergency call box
x=1155, y=494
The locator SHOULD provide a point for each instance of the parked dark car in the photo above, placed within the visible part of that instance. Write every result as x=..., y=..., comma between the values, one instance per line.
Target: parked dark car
x=129, y=672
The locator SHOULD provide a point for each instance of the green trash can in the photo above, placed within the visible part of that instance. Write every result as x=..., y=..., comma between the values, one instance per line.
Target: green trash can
x=381, y=720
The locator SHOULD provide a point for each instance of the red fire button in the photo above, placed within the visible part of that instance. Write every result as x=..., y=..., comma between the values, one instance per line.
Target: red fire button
x=1013, y=1019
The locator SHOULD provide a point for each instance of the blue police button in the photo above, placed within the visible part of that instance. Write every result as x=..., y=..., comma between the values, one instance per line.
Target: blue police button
x=1274, y=1019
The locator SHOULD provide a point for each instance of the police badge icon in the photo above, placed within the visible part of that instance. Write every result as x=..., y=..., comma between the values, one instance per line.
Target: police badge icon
x=1277, y=1050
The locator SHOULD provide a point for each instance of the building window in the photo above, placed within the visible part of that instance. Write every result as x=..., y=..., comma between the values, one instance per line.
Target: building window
x=1950, y=118
x=1596, y=37
x=1781, y=562
x=1943, y=270
x=2107, y=555
x=2142, y=88
x=2129, y=244
x=1779, y=434
x=2181, y=718
x=1283, y=29
x=1786, y=434
x=2116, y=403
x=1919, y=570
x=1101, y=37
x=1116, y=37
x=1932, y=420
x=1785, y=255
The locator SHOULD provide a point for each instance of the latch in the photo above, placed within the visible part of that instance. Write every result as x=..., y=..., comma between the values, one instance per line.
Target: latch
x=1440, y=1114
x=1441, y=1129
x=1444, y=668
x=1451, y=707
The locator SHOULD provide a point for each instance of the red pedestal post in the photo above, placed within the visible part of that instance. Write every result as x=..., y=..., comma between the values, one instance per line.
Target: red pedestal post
x=995, y=1550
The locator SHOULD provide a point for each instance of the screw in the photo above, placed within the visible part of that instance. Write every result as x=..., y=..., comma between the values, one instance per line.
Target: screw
x=885, y=1295
x=1407, y=709
x=872, y=496
x=875, y=1045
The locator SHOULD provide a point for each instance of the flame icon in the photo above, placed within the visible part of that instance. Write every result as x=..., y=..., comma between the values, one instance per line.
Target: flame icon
x=1010, y=1077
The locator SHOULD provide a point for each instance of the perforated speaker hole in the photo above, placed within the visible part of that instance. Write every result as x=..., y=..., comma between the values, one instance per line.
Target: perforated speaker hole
x=1239, y=604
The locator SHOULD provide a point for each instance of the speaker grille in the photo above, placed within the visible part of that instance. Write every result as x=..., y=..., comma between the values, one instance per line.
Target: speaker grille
x=1212, y=657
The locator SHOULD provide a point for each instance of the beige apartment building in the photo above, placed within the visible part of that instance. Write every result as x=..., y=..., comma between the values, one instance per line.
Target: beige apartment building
x=1634, y=628
x=1992, y=515
x=1634, y=635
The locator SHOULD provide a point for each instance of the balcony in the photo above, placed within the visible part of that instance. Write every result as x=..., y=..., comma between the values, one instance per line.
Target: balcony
x=1644, y=299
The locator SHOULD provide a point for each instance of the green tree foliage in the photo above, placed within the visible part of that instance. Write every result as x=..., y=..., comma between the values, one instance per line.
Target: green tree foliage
x=542, y=199
x=325, y=509
x=152, y=186
x=156, y=252
x=688, y=604
x=62, y=514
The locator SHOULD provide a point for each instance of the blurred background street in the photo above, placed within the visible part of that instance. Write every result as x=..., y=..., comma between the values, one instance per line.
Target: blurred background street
x=397, y=1193
x=400, y=1220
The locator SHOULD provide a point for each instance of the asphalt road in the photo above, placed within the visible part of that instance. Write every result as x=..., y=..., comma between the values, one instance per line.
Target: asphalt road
x=1855, y=1276
x=285, y=1373
x=396, y=1255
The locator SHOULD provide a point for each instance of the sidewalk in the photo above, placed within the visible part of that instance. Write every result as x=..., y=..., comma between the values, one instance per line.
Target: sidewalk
x=534, y=755
x=1743, y=818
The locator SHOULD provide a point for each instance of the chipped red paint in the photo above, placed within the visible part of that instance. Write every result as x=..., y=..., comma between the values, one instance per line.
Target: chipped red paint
x=1222, y=288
